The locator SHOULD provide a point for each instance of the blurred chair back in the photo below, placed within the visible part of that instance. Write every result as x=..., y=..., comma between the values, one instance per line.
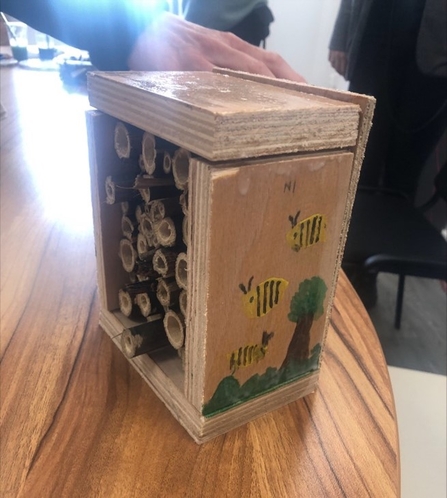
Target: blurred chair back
x=389, y=234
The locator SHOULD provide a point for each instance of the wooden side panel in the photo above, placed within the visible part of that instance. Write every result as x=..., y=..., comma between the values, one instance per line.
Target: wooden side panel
x=272, y=231
x=107, y=222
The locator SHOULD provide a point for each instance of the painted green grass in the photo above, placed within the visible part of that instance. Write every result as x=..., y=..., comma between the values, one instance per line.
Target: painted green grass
x=230, y=392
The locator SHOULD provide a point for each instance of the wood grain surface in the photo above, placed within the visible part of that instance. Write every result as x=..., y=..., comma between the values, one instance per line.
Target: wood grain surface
x=245, y=234
x=78, y=421
x=221, y=117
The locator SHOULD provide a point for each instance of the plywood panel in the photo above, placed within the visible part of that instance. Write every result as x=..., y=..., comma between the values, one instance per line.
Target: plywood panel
x=251, y=215
x=220, y=117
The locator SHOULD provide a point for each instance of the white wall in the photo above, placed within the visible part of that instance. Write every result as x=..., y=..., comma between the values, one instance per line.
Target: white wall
x=301, y=34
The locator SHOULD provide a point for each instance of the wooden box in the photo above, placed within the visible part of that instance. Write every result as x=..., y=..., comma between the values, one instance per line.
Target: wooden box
x=258, y=206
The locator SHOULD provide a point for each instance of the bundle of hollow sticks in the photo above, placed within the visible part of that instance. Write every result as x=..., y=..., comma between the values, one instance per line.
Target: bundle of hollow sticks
x=152, y=189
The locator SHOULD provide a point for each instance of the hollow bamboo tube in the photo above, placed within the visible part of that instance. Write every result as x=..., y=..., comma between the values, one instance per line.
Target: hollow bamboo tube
x=168, y=231
x=128, y=255
x=167, y=163
x=161, y=208
x=161, y=165
x=141, y=163
x=168, y=292
x=146, y=181
x=129, y=227
x=180, y=168
x=181, y=270
x=153, y=193
x=139, y=211
x=127, y=140
x=129, y=207
x=143, y=338
x=126, y=303
x=120, y=189
x=147, y=228
x=164, y=262
x=183, y=302
x=183, y=199
x=174, y=324
x=152, y=239
x=145, y=194
x=148, y=152
x=185, y=229
x=146, y=225
x=147, y=302
x=145, y=252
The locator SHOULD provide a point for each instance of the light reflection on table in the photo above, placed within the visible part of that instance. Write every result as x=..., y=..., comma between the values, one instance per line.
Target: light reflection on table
x=55, y=156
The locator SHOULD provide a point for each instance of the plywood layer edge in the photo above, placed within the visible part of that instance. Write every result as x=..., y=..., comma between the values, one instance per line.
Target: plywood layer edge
x=217, y=117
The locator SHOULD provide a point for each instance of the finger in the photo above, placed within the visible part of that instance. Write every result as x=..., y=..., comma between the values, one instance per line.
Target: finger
x=331, y=57
x=211, y=46
x=155, y=53
x=337, y=63
x=223, y=55
x=242, y=57
x=281, y=69
x=274, y=62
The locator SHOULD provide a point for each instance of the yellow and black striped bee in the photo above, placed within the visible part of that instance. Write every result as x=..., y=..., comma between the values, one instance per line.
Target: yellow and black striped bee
x=307, y=232
x=264, y=297
x=250, y=354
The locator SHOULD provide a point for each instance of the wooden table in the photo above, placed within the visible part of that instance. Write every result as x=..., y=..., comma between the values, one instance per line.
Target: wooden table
x=77, y=420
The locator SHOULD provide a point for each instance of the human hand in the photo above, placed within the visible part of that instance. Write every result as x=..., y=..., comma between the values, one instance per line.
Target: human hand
x=339, y=61
x=173, y=44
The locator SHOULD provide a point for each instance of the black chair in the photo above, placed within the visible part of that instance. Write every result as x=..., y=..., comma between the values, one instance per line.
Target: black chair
x=389, y=234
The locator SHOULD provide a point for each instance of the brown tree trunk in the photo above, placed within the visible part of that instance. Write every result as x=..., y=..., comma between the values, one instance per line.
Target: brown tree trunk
x=299, y=345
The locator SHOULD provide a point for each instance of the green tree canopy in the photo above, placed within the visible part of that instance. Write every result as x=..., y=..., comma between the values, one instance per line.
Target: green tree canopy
x=308, y=300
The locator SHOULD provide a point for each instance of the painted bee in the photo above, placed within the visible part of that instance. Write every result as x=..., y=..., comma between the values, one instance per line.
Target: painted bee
x=264, y=297
x=250, y=354
x=307, y=232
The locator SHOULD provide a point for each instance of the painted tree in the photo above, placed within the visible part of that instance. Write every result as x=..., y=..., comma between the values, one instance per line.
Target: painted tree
x=305, y=307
